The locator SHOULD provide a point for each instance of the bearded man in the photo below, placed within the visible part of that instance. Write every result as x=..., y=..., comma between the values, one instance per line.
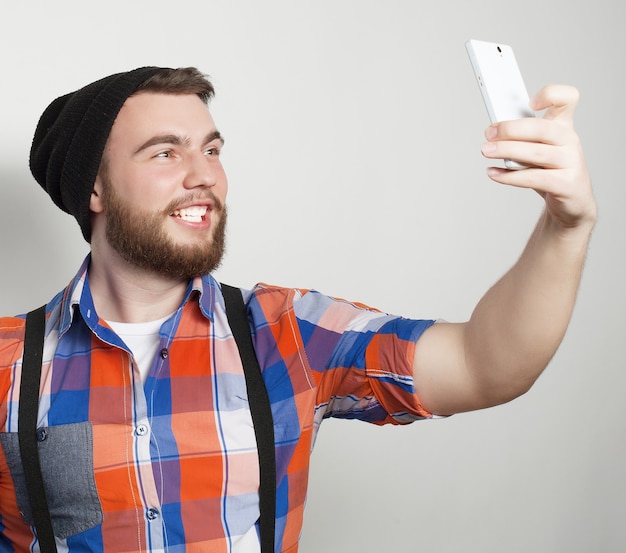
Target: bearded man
x=146, y=435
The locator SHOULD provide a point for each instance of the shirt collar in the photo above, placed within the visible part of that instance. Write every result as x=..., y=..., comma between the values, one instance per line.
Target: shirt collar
x=206, y=289
x=77, y=298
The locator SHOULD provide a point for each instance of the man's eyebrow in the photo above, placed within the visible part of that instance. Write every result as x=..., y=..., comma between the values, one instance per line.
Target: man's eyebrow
x=177, y=140
x=214, y=135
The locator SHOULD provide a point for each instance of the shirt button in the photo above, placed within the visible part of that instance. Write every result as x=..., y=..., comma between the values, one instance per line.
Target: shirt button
x=164, y=353
x=152, y=514
x=42, y=434
x=141, y=430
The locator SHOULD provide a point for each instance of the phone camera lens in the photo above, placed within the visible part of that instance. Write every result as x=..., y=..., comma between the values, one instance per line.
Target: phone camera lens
x=499, y=49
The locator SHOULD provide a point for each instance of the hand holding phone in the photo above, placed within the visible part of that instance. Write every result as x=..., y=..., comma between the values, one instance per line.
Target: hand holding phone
x=501, y=84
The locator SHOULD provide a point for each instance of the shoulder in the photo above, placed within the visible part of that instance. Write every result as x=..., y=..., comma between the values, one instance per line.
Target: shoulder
x=309, y=306
x=271, y=298
x=11, y=347
x=275, y=300
x=11, y=339
x=13, y=330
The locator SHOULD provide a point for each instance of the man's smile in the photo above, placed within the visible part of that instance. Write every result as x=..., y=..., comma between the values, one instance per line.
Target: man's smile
x=192, y=214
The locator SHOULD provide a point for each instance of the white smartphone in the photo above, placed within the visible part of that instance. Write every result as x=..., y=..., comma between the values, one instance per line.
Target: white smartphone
x=501, y=84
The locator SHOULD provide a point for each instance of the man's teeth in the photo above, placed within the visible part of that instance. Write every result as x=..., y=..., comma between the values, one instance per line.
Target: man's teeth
x=192, y=214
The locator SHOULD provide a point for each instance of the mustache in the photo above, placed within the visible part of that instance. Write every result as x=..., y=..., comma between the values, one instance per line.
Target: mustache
x=195, y=197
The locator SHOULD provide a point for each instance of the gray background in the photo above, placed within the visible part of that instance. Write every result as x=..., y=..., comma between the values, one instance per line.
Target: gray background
x=353, y=131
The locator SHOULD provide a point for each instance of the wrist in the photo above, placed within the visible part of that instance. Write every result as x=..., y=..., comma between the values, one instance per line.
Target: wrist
x=574, y=232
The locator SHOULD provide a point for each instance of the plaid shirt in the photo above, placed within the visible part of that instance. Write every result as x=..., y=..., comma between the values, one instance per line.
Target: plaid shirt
x=171, y=464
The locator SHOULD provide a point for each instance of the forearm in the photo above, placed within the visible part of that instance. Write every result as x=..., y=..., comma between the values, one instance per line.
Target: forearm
x=518, y=325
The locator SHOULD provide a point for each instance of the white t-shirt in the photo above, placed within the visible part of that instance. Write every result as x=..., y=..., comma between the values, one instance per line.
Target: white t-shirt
x=142, y=339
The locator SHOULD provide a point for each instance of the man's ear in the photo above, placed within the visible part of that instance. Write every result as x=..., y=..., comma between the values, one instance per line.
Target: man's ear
x=95, y=201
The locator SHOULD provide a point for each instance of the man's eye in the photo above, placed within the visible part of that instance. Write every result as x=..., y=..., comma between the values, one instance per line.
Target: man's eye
x=212, y=151
x=163, y=154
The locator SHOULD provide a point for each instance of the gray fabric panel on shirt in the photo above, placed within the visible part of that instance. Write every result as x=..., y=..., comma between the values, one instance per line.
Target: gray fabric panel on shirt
x=66, y=457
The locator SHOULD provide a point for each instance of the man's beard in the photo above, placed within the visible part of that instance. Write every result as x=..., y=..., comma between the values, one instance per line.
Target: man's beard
x=140, y=239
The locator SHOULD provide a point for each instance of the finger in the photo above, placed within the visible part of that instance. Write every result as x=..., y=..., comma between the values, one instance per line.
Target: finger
x=529, y=153
x=559, y=101
x=530, y=130
x=541, y=180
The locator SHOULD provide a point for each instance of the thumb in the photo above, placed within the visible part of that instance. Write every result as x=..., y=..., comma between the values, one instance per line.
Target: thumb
x=559, y=101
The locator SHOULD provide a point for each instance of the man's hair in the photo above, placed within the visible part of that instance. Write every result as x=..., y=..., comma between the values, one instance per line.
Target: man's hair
x=184, y=80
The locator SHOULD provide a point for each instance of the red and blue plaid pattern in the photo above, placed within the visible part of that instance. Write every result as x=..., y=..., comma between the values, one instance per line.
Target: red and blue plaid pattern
x=172, y=463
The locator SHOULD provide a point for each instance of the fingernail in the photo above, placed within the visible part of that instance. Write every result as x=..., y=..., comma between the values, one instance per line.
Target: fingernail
x=488, y=148
x=491, y=132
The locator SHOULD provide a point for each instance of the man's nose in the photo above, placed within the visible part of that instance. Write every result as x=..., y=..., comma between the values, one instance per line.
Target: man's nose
x=201, y=171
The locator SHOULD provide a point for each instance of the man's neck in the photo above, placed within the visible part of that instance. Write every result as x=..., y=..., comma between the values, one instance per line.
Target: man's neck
x=127, y=294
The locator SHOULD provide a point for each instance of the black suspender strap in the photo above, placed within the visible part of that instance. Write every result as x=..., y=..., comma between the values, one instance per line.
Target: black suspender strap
x=258, y=398
x=27, y=427
x=261, y=412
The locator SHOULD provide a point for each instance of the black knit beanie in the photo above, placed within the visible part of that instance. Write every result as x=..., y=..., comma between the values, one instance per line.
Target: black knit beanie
x=70, y=139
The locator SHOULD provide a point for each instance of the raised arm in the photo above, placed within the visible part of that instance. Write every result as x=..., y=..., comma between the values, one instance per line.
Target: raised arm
x=519, y=323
